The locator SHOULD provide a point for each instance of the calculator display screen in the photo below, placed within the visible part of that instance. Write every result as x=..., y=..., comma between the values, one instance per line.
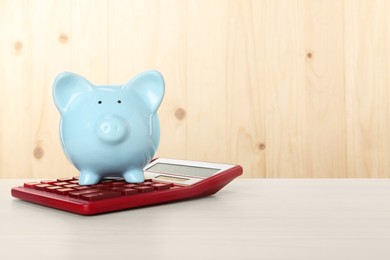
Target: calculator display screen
x=192, y=171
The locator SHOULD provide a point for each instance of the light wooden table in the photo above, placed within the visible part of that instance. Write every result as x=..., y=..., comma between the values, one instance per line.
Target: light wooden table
x=249, y=219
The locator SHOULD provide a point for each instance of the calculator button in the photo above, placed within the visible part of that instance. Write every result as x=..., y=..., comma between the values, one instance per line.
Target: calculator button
x=64, y=179
x=161, y=186
x=60, y=183
x=98, y=186
x=118, y=184
x=82, y=187
x=48, y=181
x=30, y=185
x=77, y=194
x=130, y=185
x=127, y=191
x=100, y=195
x=143, y=189
x=41, y=186
x=63, y=191
x=71, y=185
x=52, y=188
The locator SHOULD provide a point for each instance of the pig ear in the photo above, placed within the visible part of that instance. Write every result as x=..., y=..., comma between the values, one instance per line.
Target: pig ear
x=149, y=86
x=66, y=87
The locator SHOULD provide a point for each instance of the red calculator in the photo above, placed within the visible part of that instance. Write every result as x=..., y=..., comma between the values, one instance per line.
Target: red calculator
x=166, y=180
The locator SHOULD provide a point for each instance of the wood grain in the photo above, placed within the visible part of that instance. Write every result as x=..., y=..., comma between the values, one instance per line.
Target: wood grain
x=42, y=41
x=145, y=35
x=285, y=88
x=245, y=95
x=15, y=92
x=367, y=52
x=324, y=94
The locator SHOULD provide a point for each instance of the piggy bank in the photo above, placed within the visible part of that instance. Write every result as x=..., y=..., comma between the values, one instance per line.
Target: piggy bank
x=109, y=131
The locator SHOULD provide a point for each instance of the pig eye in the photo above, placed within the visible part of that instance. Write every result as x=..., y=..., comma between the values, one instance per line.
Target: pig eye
x=99, y=102
x=119, y=101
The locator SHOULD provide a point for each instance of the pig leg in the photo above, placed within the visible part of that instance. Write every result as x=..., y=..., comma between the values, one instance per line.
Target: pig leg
x=88, y=178
x=134, y=175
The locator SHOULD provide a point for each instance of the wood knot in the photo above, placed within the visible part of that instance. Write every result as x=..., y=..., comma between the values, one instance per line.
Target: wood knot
x=18, y=46
x=309, y=55
x=38, y=152
x=261, y=146
x=180, y=113
x=63, y=38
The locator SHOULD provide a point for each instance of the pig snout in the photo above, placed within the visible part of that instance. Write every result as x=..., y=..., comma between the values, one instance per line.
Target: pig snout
x=112, y=129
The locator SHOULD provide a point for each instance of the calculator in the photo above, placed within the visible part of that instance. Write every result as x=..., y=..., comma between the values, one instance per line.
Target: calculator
x=166, y=180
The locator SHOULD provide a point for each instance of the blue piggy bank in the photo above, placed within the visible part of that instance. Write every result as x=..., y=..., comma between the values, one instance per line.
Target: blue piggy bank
x=109, y=130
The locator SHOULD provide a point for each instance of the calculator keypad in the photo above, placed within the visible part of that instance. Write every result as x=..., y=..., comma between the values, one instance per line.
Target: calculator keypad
x=104, y=190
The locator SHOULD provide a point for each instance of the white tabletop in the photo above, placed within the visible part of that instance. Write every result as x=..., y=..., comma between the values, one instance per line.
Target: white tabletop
x=248, y=219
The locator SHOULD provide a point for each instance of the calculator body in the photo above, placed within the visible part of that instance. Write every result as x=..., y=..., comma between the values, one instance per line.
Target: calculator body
x=166, y=180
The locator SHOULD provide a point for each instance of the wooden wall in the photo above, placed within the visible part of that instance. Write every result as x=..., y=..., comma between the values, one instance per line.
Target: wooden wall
x=287, y=88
